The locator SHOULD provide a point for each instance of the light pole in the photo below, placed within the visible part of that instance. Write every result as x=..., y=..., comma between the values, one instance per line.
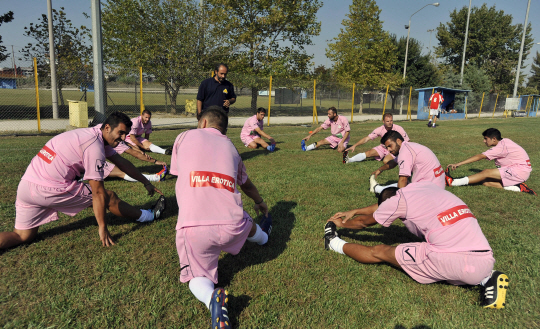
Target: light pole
x=430, y=31
x=465, y=44
x=521, y=51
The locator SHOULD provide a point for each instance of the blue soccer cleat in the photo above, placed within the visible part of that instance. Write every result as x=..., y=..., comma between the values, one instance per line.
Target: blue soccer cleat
x=303, y=144
x=272, y=147
x=266, y=224
x=163, y=173
x=218, y=309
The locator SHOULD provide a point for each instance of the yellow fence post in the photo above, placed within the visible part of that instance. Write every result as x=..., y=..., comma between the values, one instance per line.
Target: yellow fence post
x=466, y=114
x=481, y=103
x=505, y=111
x=270, y=101
x=141, y=88
x=527, y=107
x=494, y=107
x=352, y=107
x=409, y=114
x=385, y=98
x=37, y=96
x=314, y=102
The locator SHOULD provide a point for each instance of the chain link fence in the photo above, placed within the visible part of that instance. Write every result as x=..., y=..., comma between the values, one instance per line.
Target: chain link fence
x=174, y=96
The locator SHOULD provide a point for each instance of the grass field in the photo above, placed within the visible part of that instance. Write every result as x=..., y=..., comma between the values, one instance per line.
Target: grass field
x=66, y=279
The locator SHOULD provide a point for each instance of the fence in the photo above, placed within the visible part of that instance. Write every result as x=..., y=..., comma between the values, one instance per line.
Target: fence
x=174, y=96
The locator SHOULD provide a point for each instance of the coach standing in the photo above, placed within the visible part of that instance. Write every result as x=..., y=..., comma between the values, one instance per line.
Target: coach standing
x=216, y=91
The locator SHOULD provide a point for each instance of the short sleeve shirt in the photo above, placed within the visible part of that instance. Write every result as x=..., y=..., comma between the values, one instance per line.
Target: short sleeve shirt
x=380, y=131
x=138, y=128
x=209, y=170
x=507, y=153
x=421, y=163
x=250, y=125
x=337, y=128
x=212, y=92
x=438, y=216
x=435, y=101
x=63, y=158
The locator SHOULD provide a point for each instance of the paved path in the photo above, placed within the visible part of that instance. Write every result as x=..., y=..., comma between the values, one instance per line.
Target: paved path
x=19, y=126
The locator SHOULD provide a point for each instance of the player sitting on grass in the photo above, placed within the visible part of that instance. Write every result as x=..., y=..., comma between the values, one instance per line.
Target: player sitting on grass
x=414, y=160
x=455, y=250
x=211, y=217
x=339, y=127
x=50, y=183
x=379, y=152
x=514, y=166
x=142, y=125
x=253, y=130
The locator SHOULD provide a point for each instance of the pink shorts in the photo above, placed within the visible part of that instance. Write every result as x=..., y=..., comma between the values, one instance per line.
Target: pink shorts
x=37, y=205
x=121, y=148
x=248, y=139
x=199, y=247
x=382, y=151
x=108, y=169
x=513, y=175
x=458, y=268
x=334, y=141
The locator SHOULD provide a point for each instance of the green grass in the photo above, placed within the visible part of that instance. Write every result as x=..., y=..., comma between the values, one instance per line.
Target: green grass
x=65, y=279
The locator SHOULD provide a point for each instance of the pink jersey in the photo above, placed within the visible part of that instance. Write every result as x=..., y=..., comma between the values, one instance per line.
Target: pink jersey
x=380, y=131
x=249, y=127
x=138, y=128
x=438, y=216
x=508, y=154
x=66, y=156
x=337, y=128
x=209, y=169
x=435, y=101
x=421, y=163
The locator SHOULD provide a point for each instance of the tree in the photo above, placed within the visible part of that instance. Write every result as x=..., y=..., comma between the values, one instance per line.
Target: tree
x=534, y=79
x=475, y=79
x=166, y=38
x=493, y=43
x=266, y=38
x=6, y=18
x=70, y=46
x=363, y=52
x=322, y=73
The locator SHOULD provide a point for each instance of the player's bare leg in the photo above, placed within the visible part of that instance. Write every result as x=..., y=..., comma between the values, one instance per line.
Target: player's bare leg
x=117, y=173
x=371, y=255
x=387, y=158
x=486, y=175
x=17, y=237
x=257, y=141
x=148, y=145
x=317, y=145
x=123, y=209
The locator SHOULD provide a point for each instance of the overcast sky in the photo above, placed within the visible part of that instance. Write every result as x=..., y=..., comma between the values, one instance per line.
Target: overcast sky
x=395, y=15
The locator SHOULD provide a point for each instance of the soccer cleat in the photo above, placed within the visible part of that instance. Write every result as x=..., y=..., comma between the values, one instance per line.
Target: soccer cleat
x=219, y=309
x=303, y=144
x=158, y=208
x=447, y=178
x=272, y=147
x=434, y=126
x=429, y=124
x=329, y=234
x=168, y=151
x=524, y=188
x=266, y=224
x=163, y=173
x=372, y=183
x=345, y=156
x=493, y=294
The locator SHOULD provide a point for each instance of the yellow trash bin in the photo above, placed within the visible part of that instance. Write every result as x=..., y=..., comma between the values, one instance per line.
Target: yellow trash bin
x=191, y=106
x=78, y=114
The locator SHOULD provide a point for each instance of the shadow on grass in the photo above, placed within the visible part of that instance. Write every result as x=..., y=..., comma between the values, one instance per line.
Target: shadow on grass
x=236, y=305
x=386, y=235
x=252, y=254
x=254, y=153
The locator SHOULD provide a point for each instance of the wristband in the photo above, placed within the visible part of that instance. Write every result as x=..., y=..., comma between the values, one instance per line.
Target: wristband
x=262, y=200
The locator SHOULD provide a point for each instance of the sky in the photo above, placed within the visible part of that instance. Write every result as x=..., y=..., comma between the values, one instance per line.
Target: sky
x=395, y=15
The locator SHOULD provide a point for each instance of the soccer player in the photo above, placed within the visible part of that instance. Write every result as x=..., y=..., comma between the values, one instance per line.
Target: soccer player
x=514, y=166
x=455, y=249
x=211, y=217
x=142, y=125
x=435, y=102
x=414, y=160
x=379, y=152
x=253, y=130
x=50, y=183
x=339, y=127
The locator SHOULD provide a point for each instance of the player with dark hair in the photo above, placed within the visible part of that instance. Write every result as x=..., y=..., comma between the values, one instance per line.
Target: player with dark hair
x=455, y=249
x=50, y=183
x=379, y=152
x=211, y=218
x=340, y=129
x=414, y=160
x=141, y=125
x=253, y=130
x=216, y=91
x=435, y=102
x=514, y=166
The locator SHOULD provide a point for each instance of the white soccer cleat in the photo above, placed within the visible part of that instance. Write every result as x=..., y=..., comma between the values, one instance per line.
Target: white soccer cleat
x=372, y=183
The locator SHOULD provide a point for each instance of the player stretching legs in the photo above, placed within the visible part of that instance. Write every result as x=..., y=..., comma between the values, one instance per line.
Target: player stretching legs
x=512, y=160
x=457, y=252
x=142, y=124
x=253, y=130
x=339, y=127
x=114, y=172
x=209, y=170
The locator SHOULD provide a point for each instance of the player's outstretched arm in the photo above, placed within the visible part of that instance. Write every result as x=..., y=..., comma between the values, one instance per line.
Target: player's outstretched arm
x=360, y=142
x=251, y=191
x=143, y=156
x=475, y=158
x=356, y=219
x=387, y=166
x=263, y=134
x=313, y=133
x=99, y=204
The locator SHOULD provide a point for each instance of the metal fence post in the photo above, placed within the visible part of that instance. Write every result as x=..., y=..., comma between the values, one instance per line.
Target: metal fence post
x=409, y=114
x=314, y=102
x=269, y=101
x=352, y=107
x=141, y=88
x=494, y=107
x=37, y=96
x=385, y=98
x=481, y=103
